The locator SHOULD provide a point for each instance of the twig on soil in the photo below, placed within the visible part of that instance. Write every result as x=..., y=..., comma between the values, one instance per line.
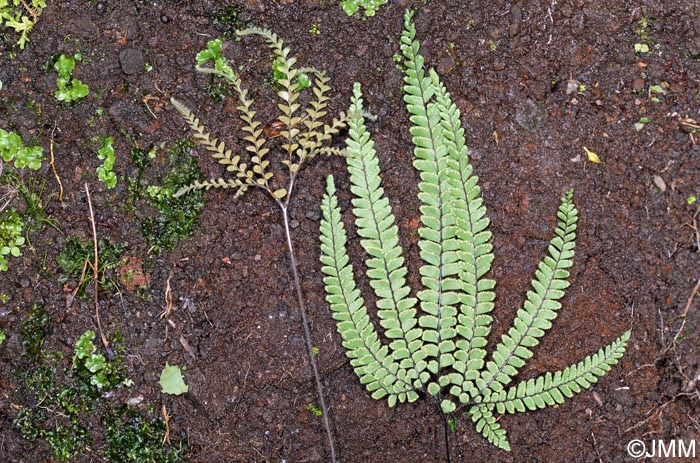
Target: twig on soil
x=166, y=418
x=685, y=311
x=9, y=194
x=186, y=345
x=168, y=298
x=53, y=166
x=658, y=410
x=689, y=303
x=167, y=311
x=595, y=447
x=691, y=126
x=95, y=277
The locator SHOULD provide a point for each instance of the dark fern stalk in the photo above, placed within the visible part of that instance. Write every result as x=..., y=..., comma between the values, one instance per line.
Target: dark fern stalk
x=437, y=341
x=304, y=136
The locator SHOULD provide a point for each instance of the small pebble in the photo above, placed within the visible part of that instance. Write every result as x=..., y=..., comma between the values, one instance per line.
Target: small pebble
x=313, y=214
x=659, y=182
x=131, y=60
x=445, y=65
x=638, y=84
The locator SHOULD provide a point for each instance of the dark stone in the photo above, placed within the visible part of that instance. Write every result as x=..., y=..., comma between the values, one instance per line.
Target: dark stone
x=131, y=60
x=82, y=27
x=638, y=84
x=445, y=65
x=25, y=118
x=130, y=114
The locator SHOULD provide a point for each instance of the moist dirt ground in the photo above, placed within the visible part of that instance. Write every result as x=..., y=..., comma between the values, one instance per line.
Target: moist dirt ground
x=536, y=82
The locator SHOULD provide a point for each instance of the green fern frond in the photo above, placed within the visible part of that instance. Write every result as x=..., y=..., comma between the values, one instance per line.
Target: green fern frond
x=488, y=426
x=374, y=364
x=289, y=94
x=255, y=138
x=475, y=248
x=316, y=132
x=541, y=305
x=302, y=139
x=555, y=387
x=317, y=107
x=380, y=238
x=443, y=352
x=438, y=245
x=235, y=184
x=218, y=149
x=304, y=136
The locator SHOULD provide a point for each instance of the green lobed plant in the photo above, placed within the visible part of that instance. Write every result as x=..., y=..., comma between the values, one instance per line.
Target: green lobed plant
x=66, y=402
x=106, y=154
x=11, y=239
x=75, y=258
x=135, y=436
x=303, y=136
x=437, y=340
x=164, y=218
x=21, y=15
x=13, y=149
x=370, y=6
x=69, y=89
x=101, y=373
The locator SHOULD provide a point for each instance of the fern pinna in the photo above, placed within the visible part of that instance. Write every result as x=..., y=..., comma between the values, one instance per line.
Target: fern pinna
x=437, y=341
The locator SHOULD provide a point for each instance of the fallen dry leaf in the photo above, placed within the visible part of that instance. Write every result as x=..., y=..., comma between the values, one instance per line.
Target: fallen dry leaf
x=592, y=156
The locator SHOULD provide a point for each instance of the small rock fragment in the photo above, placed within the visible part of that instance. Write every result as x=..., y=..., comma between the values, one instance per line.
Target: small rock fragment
x=659, y=182
x=516, y=17
x=445, y=65
x=131, y=60
x=572, y=86
x=638, y=84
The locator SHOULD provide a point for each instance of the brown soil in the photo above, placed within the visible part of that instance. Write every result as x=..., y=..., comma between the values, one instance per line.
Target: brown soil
x=508, y=66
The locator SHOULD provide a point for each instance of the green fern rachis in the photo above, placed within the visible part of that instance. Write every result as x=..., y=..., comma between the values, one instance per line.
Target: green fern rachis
x=437, y=341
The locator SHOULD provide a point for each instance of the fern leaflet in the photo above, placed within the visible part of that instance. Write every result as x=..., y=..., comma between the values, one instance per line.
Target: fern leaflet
x=381, y=373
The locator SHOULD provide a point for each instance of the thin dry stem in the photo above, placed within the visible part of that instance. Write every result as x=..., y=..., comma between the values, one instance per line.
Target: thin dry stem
x=658, y=410
x=307, y=333
x=95, y=277
x=53, y=166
